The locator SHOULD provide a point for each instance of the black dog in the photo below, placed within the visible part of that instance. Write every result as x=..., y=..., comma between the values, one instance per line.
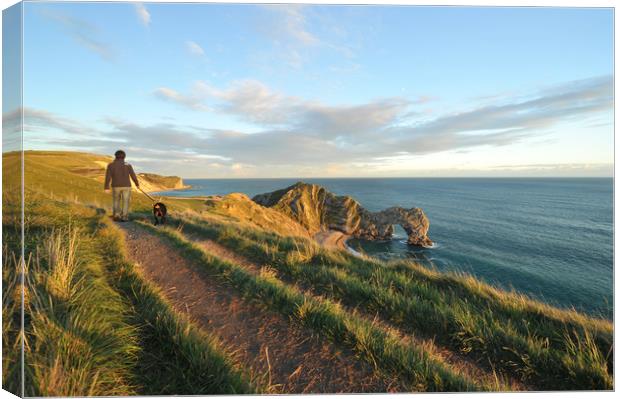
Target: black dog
x=159, y=213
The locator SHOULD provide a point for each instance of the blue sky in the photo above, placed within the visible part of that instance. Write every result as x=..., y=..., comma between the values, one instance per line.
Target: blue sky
x=202, y=90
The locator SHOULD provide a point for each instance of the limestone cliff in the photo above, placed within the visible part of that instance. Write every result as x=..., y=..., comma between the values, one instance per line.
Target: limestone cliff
x=317, y=210
x=151, y=182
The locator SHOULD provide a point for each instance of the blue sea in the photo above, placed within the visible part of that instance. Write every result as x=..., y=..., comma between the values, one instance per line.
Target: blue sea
x=549, y=238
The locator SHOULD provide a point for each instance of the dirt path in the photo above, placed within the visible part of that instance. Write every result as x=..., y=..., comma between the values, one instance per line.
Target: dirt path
x=458, y=361
x=289, y=358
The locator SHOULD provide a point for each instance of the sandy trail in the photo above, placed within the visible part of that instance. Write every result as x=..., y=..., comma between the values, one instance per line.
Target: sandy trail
x=287, y=357
x=332, y=239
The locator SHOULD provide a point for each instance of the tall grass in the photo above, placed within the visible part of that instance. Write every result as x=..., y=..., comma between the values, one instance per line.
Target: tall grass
x=541, y=350
x=77, y=340
x=381, y=348
x=175, y=357
x=529, y=315
x=12, y=288
x=94, y=323
x=11, y=321
x=508, y=303
x=93, y=326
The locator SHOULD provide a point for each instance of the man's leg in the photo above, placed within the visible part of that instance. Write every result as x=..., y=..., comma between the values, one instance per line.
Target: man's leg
x=116, y=202
x=126, y=201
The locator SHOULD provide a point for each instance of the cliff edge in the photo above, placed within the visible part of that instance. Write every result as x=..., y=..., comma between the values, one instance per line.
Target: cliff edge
x=319, y=210
x=151, y=182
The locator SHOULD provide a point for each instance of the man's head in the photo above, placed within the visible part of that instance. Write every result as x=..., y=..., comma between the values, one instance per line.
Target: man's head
x=120, y=154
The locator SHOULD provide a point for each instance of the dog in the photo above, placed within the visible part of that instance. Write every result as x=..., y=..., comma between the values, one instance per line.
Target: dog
x=159, y=213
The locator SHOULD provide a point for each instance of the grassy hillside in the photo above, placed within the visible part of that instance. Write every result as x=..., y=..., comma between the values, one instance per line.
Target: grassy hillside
x=547, y=347
x=78, y=178
x=240, y=209
x=93, y=166
x=96, y=325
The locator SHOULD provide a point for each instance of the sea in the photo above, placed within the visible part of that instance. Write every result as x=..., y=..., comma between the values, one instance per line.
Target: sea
x=550, y=238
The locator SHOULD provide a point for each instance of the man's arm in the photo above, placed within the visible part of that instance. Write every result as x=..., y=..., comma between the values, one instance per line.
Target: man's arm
x=108, y=176
x=133, y=176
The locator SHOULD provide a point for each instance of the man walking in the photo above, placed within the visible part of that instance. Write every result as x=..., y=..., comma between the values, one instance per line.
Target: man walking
x=118, y=173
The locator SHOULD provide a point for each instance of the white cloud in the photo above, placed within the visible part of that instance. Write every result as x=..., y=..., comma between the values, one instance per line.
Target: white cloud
x=254, y=101
x=299, y=135
x=143, y=14
x=294, y=31
x=193, y=101
x=288, y=28
x=312, y=131
x=84, y=33
x=194, y=48
x=38, y=120
x=293, y=24
x=251, y=100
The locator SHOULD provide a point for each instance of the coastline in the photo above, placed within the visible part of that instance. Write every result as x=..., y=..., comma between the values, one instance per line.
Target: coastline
x=490, y=249
x=361, y=282
x=185, y=187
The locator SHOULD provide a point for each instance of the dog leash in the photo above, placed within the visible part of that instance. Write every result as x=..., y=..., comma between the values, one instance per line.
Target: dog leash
x=144, y=192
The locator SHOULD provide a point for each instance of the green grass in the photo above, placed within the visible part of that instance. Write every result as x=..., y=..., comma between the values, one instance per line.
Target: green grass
x=11, y=276
x=77, y=341
x=381, y=348
x=11, y=320
x=176, y=358
x=59, y=176
x=94, y=327
x=545, y=347
x=96, y=324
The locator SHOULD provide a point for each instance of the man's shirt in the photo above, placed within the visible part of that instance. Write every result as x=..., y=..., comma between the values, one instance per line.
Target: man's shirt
x=118, y=172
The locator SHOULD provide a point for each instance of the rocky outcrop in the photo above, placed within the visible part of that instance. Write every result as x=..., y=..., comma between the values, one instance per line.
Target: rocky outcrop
x=413, y=221
x=318, y=210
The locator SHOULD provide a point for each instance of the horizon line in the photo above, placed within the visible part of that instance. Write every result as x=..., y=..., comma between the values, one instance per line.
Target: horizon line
x=398, y=177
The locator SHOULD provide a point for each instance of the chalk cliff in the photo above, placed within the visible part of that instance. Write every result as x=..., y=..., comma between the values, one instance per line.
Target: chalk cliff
x=318, y=210
x=150, y=182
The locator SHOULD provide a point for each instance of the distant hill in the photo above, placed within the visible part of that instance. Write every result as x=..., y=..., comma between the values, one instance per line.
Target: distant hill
x=151, y=182
x=79, y=176
x=94, y=166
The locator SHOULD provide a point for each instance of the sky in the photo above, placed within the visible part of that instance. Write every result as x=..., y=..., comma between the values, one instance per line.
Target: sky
x=224, y=91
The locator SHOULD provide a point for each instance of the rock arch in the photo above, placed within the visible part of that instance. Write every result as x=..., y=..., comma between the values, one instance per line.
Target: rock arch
x=317, y=209
x=413, y=221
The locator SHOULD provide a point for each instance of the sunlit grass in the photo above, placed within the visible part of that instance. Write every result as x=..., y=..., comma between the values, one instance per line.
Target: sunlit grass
x=521, y=337
x=93, y=326
x=96, y=326
x=380, y=347
x=176, y=357
x=77, y=339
